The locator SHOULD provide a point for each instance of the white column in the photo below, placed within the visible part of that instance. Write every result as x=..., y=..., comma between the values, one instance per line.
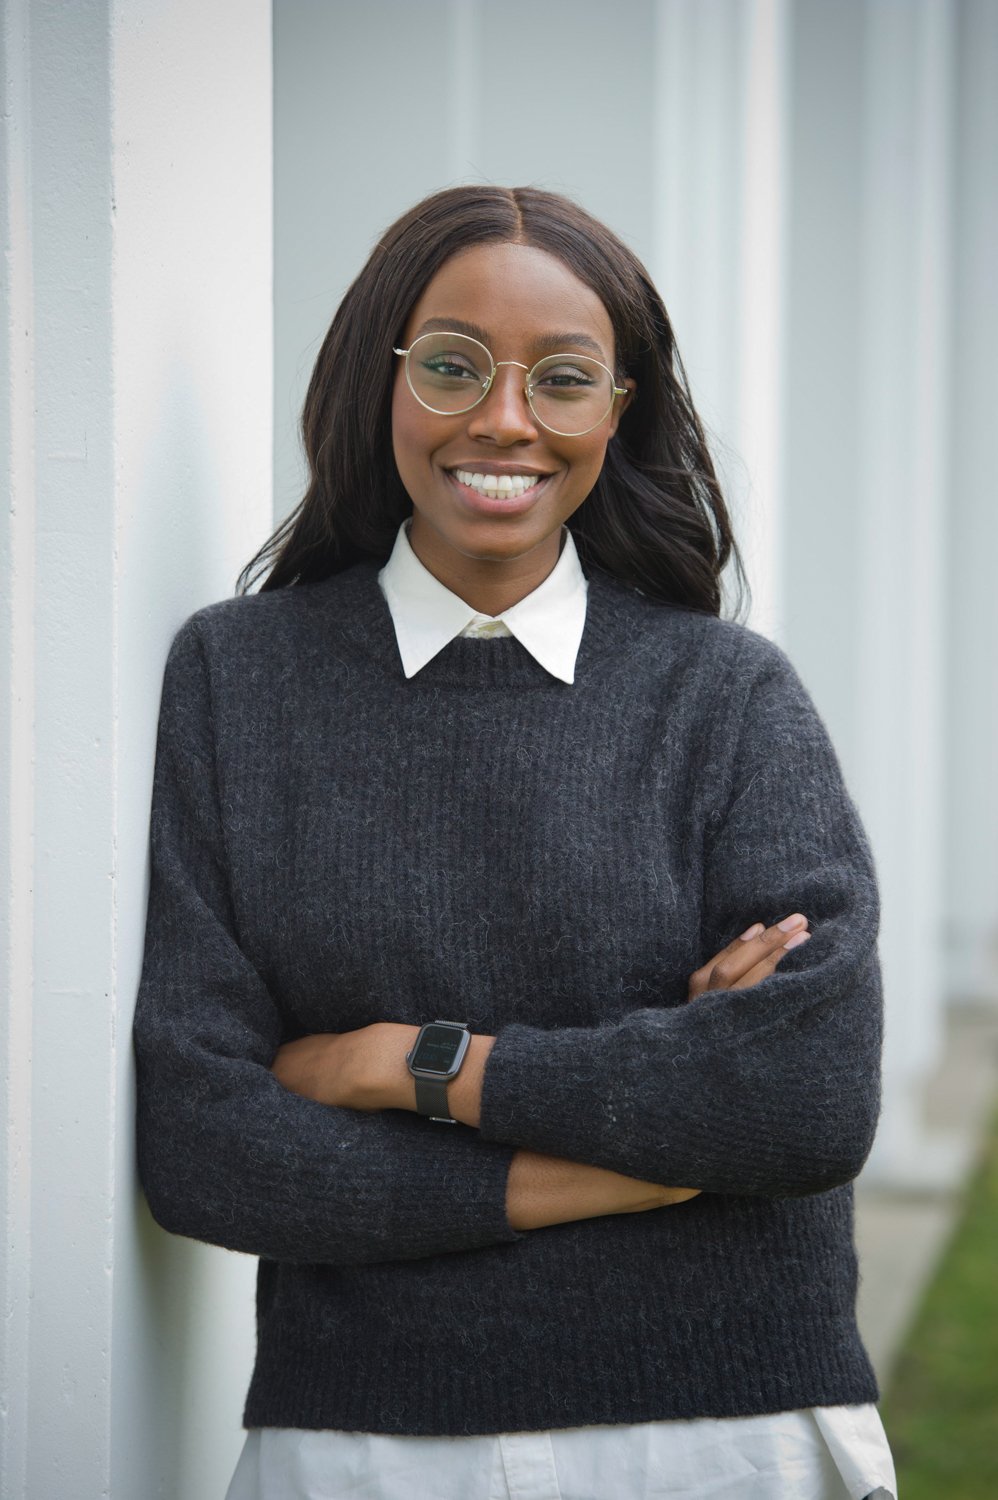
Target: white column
x=16, y=746
x=821, y=412
x=971, y=701
x=58, y=591
x=903, y=360
x=136, y=399
x=718, y=184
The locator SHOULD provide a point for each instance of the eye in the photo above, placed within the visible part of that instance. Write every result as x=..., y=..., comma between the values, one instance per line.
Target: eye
x=450, y=367
x=565, y=375
x=565, y=378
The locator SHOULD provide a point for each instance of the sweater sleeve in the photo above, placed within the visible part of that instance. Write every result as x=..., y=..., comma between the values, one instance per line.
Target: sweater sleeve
x=226, y=1154
x=772, y=1090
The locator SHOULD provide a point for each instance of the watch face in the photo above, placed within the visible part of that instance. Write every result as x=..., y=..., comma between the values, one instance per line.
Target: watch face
x=437, y=1048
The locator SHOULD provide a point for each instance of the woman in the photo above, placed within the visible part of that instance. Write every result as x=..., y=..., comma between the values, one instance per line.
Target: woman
x=482, y=747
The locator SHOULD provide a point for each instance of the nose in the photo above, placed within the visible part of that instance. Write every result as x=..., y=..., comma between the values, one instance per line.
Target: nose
x=504, y=416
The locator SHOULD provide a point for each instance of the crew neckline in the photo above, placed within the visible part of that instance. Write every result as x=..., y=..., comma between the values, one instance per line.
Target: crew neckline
x=614, y=613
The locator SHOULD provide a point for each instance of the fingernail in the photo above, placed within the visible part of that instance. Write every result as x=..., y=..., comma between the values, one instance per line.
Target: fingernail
x=789, y=923
x=796, y=940
x=753, y=931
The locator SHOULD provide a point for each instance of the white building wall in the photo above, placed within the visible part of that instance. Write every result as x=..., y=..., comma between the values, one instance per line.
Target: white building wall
x=866, y=285
x=970, y=705
x=904, y=373
x=717, y=249
x=135, y=415
x=888, y=616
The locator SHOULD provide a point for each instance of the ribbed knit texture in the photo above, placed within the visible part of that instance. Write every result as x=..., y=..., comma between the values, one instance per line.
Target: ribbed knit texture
x=335, y=845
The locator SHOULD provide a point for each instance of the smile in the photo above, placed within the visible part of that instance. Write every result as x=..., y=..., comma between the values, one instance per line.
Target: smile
x=495, y=486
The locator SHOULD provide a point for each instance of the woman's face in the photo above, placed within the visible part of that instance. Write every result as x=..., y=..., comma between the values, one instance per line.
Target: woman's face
x=521, y=303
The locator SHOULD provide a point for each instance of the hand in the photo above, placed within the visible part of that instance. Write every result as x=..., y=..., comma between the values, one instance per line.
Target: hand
x=306, y=1066
x=363, y=1069
x=749, y=958
x=543, y=1190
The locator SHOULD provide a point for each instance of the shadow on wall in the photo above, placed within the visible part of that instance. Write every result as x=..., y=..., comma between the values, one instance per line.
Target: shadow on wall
x=184, y=535
x=184, y=1312
x=198, y=1314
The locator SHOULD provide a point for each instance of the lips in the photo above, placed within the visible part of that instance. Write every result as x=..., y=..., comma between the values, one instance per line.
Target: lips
x=510, y=485
x=491, y=497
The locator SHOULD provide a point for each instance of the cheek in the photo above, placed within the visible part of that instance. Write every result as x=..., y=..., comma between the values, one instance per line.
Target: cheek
x=405, y=429
x=590, y=455
x=416, y=434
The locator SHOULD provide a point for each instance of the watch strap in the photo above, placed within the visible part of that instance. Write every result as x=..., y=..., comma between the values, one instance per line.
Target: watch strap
x=431, y=1099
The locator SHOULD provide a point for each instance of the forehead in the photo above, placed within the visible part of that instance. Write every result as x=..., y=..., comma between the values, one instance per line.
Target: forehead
x=515, y=293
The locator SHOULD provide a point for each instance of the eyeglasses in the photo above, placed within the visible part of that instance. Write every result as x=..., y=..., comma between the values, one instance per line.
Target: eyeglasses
x=450, y=373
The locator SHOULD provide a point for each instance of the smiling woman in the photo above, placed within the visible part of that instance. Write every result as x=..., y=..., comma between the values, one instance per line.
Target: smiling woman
x=483, y=745
x=558, y=282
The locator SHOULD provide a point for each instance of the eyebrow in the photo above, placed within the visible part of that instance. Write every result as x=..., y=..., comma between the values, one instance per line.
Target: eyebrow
x=546, y=343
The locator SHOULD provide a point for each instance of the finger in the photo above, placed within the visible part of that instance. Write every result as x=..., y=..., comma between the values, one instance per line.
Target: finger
x=735, y=963
x=726, y=968
x=681, y=1195
x=767, y=965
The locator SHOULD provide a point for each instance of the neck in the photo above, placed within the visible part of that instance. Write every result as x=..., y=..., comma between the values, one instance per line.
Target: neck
x=488, y=585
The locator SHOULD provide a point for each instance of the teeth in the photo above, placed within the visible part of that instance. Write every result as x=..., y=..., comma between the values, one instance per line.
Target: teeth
x=499, y=485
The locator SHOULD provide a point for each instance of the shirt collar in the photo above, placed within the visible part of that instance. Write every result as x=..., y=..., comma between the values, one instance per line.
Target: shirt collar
x=427, y=615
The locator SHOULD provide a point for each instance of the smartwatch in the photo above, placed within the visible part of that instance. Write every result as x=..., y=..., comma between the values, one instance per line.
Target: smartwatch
x=435, y=1059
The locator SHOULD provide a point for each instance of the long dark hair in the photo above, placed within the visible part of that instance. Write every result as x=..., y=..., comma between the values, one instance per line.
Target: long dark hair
x=656, y=519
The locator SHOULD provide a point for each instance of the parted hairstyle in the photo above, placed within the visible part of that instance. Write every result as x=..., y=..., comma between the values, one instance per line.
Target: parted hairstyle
x=655, y=520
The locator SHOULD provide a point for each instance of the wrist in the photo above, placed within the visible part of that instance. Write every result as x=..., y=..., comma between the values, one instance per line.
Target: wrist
x=387, y=1082
x=464, y=1093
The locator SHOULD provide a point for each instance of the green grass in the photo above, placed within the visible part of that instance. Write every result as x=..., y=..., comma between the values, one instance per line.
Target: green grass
x=941, y=1411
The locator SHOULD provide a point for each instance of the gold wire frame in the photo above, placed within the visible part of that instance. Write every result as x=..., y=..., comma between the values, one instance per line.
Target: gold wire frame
x=615, y=390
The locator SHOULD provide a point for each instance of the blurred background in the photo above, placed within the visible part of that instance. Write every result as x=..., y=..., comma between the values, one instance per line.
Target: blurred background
x=188, y=189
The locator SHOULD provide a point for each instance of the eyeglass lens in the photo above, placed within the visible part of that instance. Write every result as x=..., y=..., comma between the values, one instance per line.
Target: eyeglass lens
x=568, y=394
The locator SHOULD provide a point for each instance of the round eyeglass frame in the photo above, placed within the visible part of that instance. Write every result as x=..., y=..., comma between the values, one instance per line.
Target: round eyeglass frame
x=615, y=389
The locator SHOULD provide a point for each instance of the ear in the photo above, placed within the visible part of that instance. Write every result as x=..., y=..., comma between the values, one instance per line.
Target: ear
x=621, y=403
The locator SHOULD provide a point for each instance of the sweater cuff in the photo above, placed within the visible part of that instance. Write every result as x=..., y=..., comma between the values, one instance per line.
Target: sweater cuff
x=539, y=1087
x=453, y=1201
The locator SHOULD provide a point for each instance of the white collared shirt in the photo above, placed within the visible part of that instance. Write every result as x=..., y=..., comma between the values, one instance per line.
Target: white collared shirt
x=831, y=1453
x=822, y=1453
x=427, y=615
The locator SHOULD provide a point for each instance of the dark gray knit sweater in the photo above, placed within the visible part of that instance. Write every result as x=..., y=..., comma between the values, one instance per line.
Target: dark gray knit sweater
x=333, y=844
